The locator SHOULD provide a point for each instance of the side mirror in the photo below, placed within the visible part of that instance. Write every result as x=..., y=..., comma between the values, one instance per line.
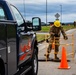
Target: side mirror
x=36, y=23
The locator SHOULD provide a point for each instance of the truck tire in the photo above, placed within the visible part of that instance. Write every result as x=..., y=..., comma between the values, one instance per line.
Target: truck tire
x=2, y=69
x=34, y=65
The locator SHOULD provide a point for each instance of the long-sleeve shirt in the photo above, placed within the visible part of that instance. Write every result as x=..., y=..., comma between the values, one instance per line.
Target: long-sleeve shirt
x=57, y=31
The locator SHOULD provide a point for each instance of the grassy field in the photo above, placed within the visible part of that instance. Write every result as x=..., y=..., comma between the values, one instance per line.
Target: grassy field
x=46, y=29
x=40, y=37
x=66, y=27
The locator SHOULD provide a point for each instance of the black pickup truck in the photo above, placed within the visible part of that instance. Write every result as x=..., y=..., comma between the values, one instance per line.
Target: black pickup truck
x=18, y=42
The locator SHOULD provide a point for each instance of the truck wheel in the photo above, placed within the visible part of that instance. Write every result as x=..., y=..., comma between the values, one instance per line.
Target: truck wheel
x=2, y=68
x=34, y=65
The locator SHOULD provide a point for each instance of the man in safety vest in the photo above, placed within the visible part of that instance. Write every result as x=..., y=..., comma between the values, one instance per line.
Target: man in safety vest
x=54, y=32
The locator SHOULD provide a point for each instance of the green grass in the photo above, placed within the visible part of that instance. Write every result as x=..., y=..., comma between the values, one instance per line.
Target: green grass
x=40, y=37
x=46, y=29
x=65, y=27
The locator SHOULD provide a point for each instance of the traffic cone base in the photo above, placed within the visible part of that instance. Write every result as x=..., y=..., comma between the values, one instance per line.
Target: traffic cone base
x=64, y=63
x=64, y=67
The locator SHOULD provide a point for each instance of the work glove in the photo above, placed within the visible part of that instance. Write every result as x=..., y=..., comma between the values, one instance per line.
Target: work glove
x=47, y=40
x=65, y=37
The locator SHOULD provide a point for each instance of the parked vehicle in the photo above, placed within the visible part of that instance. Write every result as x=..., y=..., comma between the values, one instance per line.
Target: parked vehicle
x=18, y=42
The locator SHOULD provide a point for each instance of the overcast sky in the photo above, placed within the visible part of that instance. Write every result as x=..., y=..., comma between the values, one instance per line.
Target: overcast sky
x=37, y=8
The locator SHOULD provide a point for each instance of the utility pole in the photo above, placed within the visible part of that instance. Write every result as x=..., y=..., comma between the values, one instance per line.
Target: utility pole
x=61, y=12
x=46, y=12
x=24, y=7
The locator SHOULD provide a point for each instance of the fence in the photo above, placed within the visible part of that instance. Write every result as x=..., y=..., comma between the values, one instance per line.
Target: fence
x=68, y=44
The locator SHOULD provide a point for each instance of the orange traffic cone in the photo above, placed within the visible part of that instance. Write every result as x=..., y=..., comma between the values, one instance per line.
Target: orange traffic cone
x=64, y=64
x=53, y=45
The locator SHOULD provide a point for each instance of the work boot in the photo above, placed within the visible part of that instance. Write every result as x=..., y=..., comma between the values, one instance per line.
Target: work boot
x=47, y=56
x=56, y=57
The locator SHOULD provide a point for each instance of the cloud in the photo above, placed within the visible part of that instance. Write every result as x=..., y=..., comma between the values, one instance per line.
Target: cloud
x=69, y=17
x=51, y=18
x=41, y=1
x=37, y=8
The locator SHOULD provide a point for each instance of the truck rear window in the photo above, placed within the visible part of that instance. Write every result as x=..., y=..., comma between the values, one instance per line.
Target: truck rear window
x=2, y=14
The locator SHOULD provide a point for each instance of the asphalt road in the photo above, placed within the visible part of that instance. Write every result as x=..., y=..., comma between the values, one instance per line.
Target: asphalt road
x=51, y=67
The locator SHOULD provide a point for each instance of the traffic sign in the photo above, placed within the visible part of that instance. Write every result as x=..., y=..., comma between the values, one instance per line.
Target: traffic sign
x=57, y=15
